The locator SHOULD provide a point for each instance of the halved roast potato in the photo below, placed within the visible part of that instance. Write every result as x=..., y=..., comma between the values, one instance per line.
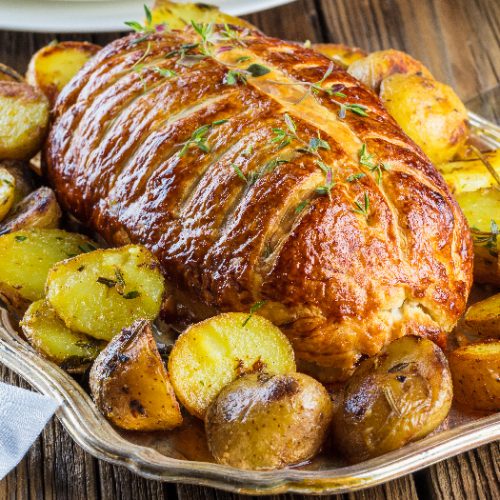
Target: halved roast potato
x=484, y=317
x=130, y=384
x=213, y=353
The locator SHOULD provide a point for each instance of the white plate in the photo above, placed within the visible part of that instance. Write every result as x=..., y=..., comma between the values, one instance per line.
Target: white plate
x=79, y=16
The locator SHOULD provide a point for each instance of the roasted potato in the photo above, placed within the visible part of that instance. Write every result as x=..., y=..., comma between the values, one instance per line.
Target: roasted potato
x=340, y=53
x=471, y=174
x=8, y=74
x=39, y=209
x=484, y=317
x=7, y=191
x=54, y=65
x=130, y=384
x=24, y=119
x=213, y=353
x=47, y=333
x=24, y=181
x=377, y=66
x=26, y=257
x=101, y=292
x=178, y=15
x=429, y=112
x=263, y=421
x=395, y=397
x=475, y=369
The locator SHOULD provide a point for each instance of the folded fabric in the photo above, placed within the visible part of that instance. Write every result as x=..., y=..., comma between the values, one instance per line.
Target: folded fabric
x=23, y=415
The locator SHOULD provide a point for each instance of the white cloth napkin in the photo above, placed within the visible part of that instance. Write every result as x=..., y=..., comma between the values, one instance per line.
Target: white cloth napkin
x=23, y=415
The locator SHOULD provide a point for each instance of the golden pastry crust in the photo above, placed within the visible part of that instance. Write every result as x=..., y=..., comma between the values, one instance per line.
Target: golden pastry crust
x=340, y=283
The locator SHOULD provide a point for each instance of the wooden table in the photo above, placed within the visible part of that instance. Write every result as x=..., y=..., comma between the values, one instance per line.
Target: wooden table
x=459, y=41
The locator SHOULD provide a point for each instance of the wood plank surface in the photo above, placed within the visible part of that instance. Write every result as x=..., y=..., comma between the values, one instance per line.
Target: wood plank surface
x=459, y=41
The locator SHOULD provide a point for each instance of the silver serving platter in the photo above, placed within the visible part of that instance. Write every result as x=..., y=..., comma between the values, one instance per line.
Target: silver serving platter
x=181, y=456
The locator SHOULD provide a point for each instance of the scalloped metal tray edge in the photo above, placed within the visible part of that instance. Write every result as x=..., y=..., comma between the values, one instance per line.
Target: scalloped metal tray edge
x=94, y=434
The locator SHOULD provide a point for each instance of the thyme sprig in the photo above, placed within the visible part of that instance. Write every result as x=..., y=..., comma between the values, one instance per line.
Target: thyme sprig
x=326, y=188
x=233, y=35
x=199, y=138
x=362, y=208
x=253, y=310
x=368, y=161
x=186, y=58
x=235, y=76
x=487, y=239
x=147, y=27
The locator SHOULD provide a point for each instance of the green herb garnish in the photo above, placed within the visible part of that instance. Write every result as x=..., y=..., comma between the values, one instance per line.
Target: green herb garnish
x=257, y=70
x=20, y=238
x=198, y=138
x=301, y=206
x=253, y=310
x=355, y=177
x=131, y=295
x=363, y=208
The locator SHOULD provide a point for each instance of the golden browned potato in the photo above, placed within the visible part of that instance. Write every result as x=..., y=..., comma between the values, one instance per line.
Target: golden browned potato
x=39, y=209
x=7, y=191
x=178, y=15
x=8, y=74
x=101, y=292
x=263, y=421
x=471, y=174
x=395, y=397
x=130, y=384
x=213, y=353
x=24, y=181
x=340, y=53
x=47, y=333
x=26, y=257
x=377, y=66
x=475, y=369
x=54, y=65
x=24, y=119
x=484, y=317
x=429, y=112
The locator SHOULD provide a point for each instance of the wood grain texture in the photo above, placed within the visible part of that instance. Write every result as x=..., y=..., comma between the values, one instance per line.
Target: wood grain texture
x=459, y=41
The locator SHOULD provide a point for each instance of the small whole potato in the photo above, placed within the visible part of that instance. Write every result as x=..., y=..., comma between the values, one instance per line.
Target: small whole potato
x=263, y=421
x=429, y=112
x=24, y=120
x=397, y=396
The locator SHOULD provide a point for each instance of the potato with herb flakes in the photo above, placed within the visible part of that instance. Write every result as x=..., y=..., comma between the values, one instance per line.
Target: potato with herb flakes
x=342, y=54
x=47, y=333
x=37, y=210
x=54, y=65
x=471, y=174
x=214, y=352
x=7, y=191
x=377, y=66
x=263, y=421
x=393, y=398
x=24, y=120
x=484, y=317
x=26, y=257
x=475, y=369
x=429, y=112
x=130, y=385
x=101, y=292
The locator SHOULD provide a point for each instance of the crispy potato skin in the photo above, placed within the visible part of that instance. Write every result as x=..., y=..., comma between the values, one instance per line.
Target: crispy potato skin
x=396, y=397
x=7, y=191
x=130, y=384
x=376, y=66
x=24, y=120
x=484, y=317
x=54, y=65
x=39, y=209
x=24, y=179
x=475, y=369
x=48, y=334
x=264, y=422
x=429, y=112
x=214, y=352
x=340, y=285
x=340, y=53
